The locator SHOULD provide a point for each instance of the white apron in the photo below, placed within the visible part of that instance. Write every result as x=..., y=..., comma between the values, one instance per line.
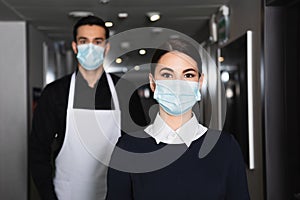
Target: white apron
x=81, y=165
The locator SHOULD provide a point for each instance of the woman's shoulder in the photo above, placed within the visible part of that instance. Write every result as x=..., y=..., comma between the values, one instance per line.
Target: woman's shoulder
x=229, y=140
x=223, y=137
x=138, y=142
x=217, y=141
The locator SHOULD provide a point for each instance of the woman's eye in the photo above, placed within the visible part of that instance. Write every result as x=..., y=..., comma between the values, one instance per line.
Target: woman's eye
x=189, y=75
x=167, y=75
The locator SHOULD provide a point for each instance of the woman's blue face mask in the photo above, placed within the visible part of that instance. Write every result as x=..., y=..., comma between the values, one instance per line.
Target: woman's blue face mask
x=177, y=97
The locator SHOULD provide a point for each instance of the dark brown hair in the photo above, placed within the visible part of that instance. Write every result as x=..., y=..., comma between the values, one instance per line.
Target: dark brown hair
x=179, y=45
x=89, y=20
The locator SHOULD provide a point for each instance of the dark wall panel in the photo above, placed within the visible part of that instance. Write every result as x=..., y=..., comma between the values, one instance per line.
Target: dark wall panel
x=282, y=86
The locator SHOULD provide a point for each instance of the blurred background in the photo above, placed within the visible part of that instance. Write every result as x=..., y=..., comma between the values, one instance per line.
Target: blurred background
x=254, y=45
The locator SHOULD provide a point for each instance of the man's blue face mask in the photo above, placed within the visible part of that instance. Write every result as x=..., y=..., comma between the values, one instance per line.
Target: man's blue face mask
x=90, y=56
x=176, y=96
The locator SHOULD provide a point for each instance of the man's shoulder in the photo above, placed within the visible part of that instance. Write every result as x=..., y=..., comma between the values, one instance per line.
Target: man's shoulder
x=123, y=84
x=62, y=83
x=115, y=78
x=58, y=88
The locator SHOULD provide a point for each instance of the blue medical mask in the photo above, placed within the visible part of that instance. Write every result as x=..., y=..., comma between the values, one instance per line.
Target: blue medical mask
x=176, y=96
x=90, y=56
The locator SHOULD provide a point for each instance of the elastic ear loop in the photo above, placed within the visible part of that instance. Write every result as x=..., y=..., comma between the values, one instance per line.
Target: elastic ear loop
x=153, y=79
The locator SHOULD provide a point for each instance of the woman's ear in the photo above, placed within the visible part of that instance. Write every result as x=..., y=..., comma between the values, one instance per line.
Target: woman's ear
x=152, y=83
x=201, y=81
x=74, y=47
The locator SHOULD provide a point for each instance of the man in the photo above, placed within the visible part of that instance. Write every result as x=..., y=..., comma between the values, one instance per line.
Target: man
x=77, y=122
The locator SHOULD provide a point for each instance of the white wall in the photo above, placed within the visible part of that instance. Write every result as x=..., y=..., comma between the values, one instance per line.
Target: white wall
x=13, y=111
x=36, y=76
x=21, y=64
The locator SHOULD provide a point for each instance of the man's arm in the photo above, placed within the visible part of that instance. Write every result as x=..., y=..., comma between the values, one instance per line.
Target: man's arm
x=42, y=135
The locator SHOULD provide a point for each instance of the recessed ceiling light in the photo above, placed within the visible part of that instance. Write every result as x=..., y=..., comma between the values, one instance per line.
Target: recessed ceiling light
x=137, y=68
x=225, y=76
x=142, y=51
x=112, y=32
x=123, y=15
x=109, y=24
x=157, y=30
x=104, y=1
x=221, y=59
x=119, y=60
x=125, y=45
x=80, y=13
x=153, y=16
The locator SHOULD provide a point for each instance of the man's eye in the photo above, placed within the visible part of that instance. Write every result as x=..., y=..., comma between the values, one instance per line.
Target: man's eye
x=81, y=42
x=99, y=42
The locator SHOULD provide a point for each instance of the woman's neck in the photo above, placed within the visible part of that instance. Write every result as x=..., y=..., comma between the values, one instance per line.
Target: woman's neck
x=91, y=76
x=175, y=122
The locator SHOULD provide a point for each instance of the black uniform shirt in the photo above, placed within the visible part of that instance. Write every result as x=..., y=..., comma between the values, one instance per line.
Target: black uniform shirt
x=220, y=175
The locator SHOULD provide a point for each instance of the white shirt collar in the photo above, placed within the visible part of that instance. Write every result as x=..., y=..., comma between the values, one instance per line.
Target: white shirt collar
x=187, y=133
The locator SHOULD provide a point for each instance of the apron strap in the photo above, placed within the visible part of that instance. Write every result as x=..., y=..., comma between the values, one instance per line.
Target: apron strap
x=113, y=91
x=71, y=91
x=111, y=87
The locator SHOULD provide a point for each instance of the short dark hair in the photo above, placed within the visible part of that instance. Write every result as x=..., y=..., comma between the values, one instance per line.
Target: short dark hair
x=179, y=45
x=89, y=20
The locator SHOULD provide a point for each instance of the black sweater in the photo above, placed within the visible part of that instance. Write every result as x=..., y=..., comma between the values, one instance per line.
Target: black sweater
x=49, y=125
x=219, y=175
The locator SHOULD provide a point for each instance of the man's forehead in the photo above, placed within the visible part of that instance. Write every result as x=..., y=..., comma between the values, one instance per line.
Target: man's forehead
x=91, y=30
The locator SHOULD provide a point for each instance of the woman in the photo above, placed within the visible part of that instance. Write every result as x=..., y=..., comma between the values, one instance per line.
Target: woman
x=183, y=174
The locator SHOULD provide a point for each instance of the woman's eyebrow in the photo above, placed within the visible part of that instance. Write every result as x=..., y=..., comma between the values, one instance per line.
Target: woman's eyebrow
x=166, y=68
x=190, y=69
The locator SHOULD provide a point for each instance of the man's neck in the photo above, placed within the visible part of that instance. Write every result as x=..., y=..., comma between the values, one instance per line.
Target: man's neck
x=91, y=76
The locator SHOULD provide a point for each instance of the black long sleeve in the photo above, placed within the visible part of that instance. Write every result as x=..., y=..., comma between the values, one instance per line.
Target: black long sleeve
x=218, y=176
x=48, y=127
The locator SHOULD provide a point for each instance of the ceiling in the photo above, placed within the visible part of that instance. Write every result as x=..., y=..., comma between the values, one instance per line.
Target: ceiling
x=51, y=16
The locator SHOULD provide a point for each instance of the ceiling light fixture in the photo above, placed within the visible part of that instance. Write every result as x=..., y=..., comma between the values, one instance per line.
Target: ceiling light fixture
x=142, y=51
x=112, y=32
x=104, y=1
x=119, y=60
x=153, y=16
x=221, y=59
x=125, y=45
x=137, y=68
x=80, y=13
x=123, y=15
x=109, y=24
x=157, y=30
